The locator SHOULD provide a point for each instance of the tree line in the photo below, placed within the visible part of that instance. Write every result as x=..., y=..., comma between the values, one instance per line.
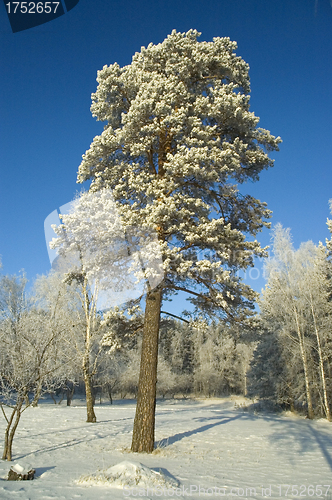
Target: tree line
x=51, y=342
x=293, y=359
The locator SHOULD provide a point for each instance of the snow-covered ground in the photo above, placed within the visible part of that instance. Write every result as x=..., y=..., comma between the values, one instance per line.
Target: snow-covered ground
x=206, y=448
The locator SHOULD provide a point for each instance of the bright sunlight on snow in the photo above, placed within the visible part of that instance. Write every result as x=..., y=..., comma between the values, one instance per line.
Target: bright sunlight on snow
x=205, y=448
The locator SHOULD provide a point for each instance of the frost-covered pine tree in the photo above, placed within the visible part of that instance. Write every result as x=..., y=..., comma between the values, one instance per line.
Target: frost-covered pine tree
x=178, y=138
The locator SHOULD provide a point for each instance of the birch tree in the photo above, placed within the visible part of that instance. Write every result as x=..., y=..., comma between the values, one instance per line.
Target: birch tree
x=317, y=288
x=178, y=139
x=106, y=263
x=297, y=301
x=30, y=346
x=55, y=304
x=282, y=298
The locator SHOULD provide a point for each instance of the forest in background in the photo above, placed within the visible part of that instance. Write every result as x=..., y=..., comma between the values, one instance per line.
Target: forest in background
x=283, y=355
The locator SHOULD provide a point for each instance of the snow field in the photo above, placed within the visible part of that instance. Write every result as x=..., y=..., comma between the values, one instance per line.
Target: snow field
x=205, y=448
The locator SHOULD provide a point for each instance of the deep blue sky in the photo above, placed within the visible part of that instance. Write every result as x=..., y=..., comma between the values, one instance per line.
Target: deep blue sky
x=48, y=74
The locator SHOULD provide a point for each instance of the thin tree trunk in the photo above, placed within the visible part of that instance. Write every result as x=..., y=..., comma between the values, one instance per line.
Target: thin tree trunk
x=109, y=390
x=70, y=393
x=9, y=423
x=305, y=367
x=144, y=423
x=91, y=417
x=10, y=432
x=37, y=394
x=88, y=310
x=321, y=365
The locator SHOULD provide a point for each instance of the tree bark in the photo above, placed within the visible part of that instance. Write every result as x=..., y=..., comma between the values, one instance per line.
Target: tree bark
x=10, y=432
x=305, y=367
x=321, y=364
x=37, y=394
x=70, y=392
x=91, y=417
x=144, y=423
x=90, y=401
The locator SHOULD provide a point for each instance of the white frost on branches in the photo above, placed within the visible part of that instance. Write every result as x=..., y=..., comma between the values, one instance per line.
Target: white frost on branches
x=178, y=138
x=117, y=259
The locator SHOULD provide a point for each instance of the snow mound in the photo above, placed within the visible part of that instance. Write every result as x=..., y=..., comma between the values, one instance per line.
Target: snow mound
x=130, y=474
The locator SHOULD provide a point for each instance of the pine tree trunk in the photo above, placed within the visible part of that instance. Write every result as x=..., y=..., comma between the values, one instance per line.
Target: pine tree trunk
x=143, y=432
